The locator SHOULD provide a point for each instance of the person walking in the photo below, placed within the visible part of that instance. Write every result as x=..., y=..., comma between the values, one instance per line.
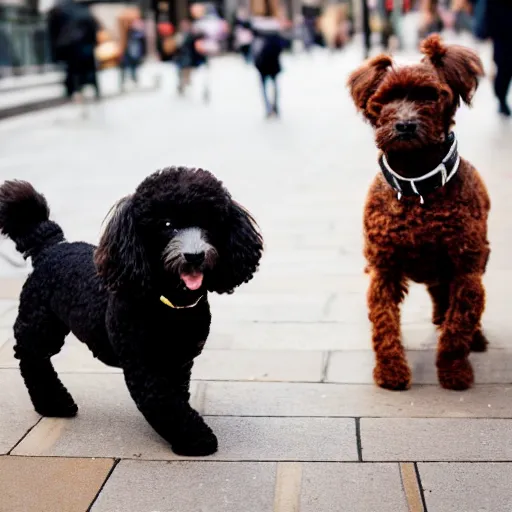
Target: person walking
x=133, y=44
x=242, y=35
x=266, y=51
x=493, y=19
x=209, y=30
x=73, y=31
x=186, y=58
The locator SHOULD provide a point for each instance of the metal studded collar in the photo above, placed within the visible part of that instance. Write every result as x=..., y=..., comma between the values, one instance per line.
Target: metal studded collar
x=430, y=181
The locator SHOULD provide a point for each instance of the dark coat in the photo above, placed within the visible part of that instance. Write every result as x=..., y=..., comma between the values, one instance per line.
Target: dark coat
x=187, y=56
x=267, y=48
x=499, y=20
x=492, y=19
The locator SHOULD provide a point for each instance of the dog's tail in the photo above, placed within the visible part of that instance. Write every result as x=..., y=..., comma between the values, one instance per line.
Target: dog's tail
x=24, y=218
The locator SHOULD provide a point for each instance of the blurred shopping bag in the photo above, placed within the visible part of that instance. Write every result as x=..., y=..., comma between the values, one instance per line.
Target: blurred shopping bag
x=376, y=24
x=102, y=37
x=207, y=46
x=108, y=54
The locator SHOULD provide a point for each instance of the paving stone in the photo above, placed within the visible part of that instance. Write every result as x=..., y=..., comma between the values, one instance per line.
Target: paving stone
x=288, y=336
x=259, y=365
x=74, y=357
x=298, y=399
x=8, y=313
x=315, y=439
x=314, y=284
x=269, y=307
x=288, y=486
x=5, y=336
x=109, y=425
x=128, y=436
x=475, y=487
x=108, y=422
x=49, y=484
x=137, y=486
x=326, y=336
x=10, y=288
x=211, y=364
x=356, y=367
x=17, y=416
x=416, y=308
x=455, y=439
x=411, y=487
x=352, y=488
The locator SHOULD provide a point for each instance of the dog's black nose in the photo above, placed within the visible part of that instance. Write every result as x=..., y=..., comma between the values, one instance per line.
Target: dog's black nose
x=406, y=127
x=194, y=258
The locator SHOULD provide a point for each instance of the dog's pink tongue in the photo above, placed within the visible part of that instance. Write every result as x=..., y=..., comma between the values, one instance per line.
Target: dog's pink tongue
x=192, y=281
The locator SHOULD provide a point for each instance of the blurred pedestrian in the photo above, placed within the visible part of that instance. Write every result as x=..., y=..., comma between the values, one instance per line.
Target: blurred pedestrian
x=329, y=23
x=266, y=51
x=73, y=31
x=209, y=30
x=431, y=19
x=392, y=11
x=165, y=41
x=367, y=29
x=133, y=43
x=462, y=16
x=186, y=57
x=310, y=15
x=242, y=33
x=493, y=20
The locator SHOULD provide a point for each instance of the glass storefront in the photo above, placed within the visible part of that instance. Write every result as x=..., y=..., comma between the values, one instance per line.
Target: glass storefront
x=24, y=42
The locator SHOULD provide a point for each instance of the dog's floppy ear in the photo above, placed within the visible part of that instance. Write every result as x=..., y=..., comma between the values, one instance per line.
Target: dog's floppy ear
x=458, y=66
x=364, y=81
x=120, y=257
x=239, y=251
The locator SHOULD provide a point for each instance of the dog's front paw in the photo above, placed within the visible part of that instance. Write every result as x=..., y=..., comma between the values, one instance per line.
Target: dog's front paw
x=393, y=374
x=455, y=374
x=64, y=407
x=197, y=441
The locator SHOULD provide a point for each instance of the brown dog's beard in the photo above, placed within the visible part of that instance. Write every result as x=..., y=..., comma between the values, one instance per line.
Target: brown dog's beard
x=416, y=162
x=426, y=118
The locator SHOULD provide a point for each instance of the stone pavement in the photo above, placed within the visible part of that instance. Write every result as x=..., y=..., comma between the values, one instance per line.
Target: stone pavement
x=285, y=379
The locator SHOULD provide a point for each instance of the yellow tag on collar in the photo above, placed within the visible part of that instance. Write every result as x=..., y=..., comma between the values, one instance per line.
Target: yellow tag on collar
x=167, y=302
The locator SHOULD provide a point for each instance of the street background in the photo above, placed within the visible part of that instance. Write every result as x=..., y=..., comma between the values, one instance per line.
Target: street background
x=285, y=379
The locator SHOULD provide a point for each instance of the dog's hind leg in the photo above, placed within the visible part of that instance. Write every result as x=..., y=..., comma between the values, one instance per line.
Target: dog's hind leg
x=40, y=335
x=385, y=294
x=440, y=294
x=460, y=332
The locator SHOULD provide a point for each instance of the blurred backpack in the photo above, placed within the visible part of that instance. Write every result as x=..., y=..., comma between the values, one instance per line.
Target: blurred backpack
x=135, y=42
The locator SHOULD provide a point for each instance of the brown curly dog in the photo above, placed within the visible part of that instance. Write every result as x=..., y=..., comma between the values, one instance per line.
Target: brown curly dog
x=425, y=217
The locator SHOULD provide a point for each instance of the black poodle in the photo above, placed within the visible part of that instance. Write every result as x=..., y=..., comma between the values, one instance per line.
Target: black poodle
x=138, y=300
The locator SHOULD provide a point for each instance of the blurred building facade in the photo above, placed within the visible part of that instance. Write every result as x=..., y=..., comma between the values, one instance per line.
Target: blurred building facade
x=24, y=42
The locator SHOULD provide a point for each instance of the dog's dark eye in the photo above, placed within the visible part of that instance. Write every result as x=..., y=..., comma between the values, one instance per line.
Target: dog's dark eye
x=168, y=226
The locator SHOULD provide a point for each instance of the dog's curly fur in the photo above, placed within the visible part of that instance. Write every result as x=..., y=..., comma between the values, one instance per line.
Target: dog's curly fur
x=109, y=296
x=442, y=243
